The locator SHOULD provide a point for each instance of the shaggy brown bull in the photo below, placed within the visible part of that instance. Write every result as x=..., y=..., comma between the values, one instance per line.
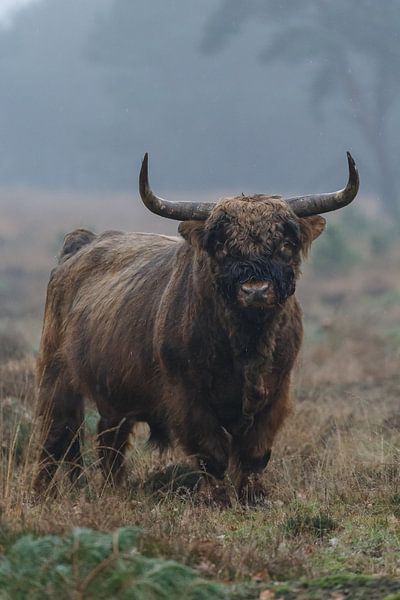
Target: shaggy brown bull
x=195, y=335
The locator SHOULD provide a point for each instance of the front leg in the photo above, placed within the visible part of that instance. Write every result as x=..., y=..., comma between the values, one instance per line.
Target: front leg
x=250, y=486
x=203, y=438
x=255, y=398
x=252, y=448
x=255, y=390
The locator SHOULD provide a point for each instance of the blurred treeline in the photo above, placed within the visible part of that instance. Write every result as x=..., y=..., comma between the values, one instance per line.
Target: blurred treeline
x=227, y=96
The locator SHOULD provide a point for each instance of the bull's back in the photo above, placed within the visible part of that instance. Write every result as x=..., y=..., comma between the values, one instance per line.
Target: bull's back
x=105, y=298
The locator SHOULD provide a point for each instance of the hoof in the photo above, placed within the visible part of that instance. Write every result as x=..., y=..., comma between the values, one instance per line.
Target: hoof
x=253, y=493
x=213, y=493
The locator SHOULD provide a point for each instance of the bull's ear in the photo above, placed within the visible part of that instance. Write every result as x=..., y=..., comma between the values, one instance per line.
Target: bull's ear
x=192, y=232
x=310, y=228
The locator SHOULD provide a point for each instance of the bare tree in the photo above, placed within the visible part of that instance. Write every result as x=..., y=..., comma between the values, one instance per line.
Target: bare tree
x=354, y=49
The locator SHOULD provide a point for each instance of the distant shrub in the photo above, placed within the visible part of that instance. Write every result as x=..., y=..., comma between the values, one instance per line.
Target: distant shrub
x=17, y=380
x=12, y=345
x=381, y=242
x=93, y=565
x=333, y=253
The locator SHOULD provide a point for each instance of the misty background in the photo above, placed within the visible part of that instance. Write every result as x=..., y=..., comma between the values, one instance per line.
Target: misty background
x=227, y=96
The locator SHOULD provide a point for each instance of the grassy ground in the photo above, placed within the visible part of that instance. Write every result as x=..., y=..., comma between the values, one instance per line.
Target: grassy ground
x=331, y=527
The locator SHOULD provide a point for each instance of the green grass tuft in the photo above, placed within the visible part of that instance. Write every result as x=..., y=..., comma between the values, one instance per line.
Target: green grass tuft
x=307, y=520
x=94, y=565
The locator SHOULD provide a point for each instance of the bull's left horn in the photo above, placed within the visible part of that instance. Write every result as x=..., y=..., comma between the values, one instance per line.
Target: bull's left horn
x=180, y=211
x=305, y=206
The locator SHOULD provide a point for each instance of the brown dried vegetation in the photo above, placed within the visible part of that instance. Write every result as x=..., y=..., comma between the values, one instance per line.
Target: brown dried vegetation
x=333, y=480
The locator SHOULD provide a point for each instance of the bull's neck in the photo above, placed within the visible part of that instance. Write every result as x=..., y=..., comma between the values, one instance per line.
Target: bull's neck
x=250, y=337
x=251, y=332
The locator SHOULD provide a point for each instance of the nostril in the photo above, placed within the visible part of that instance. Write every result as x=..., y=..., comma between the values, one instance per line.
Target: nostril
x=247, y=289
x=264, y=288
x=258, y=288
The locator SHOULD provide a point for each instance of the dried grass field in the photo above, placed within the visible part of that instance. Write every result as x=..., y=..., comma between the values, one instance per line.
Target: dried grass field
x=331, y=527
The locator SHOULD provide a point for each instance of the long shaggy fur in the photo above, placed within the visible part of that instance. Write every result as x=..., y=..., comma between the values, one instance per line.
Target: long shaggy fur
x=149, y=328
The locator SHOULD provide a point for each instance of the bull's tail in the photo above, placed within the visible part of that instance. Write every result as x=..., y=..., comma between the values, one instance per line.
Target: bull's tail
x=73, y=242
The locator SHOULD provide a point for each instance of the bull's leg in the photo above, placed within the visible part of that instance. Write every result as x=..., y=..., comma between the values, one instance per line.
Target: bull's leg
x=112, y=438
x=251, y=488
x=203, y=438
x=62, y=432
x=252, y=449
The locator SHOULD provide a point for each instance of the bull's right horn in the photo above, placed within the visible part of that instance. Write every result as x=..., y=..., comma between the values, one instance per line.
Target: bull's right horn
x=305, y=206
x=180, y=211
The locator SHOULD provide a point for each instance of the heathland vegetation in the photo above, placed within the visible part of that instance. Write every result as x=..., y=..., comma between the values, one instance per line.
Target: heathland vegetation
x=331, y=526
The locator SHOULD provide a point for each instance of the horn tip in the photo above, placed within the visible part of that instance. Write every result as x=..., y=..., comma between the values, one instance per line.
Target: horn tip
x=353, y=170
x=350, y=159
x=144, y=175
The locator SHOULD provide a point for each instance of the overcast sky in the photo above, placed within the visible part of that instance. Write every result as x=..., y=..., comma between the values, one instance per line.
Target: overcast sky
x=8, y=8
x=86, y=90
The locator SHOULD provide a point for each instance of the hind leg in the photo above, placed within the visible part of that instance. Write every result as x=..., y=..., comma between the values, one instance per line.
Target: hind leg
x=62, y=432
x=112, y=435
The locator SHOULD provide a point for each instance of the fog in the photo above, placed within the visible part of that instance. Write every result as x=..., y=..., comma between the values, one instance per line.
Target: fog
x=226, y=96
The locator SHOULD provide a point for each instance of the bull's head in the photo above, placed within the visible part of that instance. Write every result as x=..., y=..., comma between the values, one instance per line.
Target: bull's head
x=253, y=245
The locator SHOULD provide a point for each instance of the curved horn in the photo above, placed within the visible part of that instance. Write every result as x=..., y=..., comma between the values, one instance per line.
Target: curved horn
x=180, y=211
x=305, y=206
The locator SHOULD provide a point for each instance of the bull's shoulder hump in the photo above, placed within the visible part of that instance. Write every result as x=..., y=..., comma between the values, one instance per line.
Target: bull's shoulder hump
x=83, y=247
x=74, y=241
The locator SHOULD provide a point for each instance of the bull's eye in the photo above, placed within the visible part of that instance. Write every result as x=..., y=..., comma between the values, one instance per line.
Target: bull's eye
x=286, y=250
x=220, y=250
